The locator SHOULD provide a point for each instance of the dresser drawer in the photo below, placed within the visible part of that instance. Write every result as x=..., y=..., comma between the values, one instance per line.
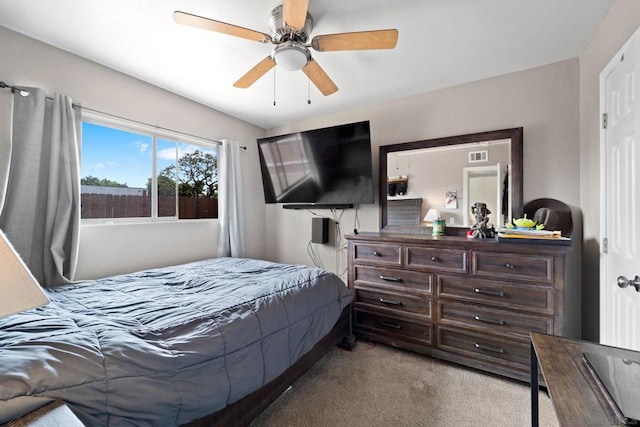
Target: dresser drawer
x=493, y=319
x=387, y=277
x=394, y=327
x=436, y=259
x=402, y=303
x=484, y=347
x=532, y=268
x=537, y=299
x=379, y=254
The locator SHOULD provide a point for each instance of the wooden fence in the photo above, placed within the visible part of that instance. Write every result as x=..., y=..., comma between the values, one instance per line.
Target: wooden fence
x=198, y=207
x=135, y=206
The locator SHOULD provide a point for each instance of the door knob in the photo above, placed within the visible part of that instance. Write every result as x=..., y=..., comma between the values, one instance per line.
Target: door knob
x=623, y=282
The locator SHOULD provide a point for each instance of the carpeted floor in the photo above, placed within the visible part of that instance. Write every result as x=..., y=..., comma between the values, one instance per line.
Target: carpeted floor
x=378, y=385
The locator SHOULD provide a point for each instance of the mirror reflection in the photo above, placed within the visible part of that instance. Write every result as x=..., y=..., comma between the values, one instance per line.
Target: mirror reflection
x=450, y=179
x=441, y=179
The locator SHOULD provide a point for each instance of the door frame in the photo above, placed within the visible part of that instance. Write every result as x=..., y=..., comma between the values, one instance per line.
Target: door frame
x=602, y=285
x=467, y=173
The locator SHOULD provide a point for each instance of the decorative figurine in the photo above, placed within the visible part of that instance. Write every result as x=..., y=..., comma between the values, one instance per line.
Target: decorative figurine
x=480, y=230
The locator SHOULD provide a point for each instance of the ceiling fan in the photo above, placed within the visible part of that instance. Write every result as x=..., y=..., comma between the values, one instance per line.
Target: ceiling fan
x=291, y=25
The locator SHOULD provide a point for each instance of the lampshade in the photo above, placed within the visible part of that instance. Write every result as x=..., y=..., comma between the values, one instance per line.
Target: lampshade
x=19, y=290
x=432, y=215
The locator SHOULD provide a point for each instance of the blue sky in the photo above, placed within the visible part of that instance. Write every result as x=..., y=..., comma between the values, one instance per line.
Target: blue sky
x=124, y=156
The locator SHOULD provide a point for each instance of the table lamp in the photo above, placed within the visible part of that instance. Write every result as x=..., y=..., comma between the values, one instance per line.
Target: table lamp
x=19, y=290
x=432, y=215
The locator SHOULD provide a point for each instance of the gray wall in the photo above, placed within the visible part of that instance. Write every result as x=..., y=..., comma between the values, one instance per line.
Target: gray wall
x=115, y=248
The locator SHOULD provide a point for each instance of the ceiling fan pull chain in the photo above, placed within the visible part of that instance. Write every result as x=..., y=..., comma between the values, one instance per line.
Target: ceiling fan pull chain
x=308, y=91
x=274, y=87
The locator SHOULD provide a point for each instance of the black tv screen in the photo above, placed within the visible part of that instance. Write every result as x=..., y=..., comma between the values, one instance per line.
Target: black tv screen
x=329, y=166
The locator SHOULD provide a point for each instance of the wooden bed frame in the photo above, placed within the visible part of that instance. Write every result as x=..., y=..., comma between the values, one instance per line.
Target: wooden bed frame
x=242, y=412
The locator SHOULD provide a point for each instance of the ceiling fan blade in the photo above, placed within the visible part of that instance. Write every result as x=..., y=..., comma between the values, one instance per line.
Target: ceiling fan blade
x=294, y=13
x=219, y=27
x=319, y=78
x=255, y=73
x=378, y=39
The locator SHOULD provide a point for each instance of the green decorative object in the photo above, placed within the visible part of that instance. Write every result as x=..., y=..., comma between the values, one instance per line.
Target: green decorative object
x=438, y=227
x=525, y=224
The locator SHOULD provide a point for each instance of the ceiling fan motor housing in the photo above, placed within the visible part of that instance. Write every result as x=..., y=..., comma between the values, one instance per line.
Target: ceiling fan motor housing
x=282, y=33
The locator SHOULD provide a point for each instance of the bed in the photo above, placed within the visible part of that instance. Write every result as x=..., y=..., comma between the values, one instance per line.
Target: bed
x=205, y=343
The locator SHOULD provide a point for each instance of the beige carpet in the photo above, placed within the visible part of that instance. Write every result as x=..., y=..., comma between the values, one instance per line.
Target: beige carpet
x=378, y=385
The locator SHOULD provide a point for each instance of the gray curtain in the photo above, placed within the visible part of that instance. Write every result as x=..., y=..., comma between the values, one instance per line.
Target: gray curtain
x=230, y=206
x=41, y=209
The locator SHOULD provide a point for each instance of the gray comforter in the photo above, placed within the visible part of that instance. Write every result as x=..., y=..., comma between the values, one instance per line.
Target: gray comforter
x=168, y=345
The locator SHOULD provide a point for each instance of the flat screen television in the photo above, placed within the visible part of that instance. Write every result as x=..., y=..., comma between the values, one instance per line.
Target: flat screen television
x=329, y=167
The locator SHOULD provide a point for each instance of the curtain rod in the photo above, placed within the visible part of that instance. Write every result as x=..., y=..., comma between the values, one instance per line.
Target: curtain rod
x=4, y=85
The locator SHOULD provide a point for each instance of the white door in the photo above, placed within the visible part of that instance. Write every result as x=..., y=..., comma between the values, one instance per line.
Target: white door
x=620, y=198
x=482, y=184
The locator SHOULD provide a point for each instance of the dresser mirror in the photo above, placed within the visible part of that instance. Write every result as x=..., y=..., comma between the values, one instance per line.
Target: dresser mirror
x=441, y=178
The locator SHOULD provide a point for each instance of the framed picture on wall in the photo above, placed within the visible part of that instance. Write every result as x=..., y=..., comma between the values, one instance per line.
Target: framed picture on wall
x=451, y=199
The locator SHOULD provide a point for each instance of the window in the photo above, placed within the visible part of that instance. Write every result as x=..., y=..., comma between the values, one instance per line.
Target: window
x=129, y=172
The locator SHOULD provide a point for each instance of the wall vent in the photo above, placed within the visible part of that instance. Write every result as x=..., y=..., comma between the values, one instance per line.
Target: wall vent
x=478, y=156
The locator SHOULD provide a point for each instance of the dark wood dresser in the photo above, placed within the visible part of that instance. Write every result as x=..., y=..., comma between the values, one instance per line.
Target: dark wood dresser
x=468, y=301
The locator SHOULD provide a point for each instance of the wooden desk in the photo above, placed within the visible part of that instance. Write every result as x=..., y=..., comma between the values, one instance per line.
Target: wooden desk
x=574, y=393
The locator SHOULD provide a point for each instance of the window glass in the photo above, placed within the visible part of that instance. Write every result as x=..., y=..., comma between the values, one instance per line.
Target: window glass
x=129, y=174
x=166, y=178
x=115, y=167
x=198, y=181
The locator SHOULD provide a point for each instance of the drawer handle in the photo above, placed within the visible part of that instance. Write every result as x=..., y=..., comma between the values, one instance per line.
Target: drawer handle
x=386, y=301
x=376, y=253
x=390, y=325
x=390, y=278
x=488, y=348
x=488, y=292
x=434, y=258
x=509, y=266
x=485, y=320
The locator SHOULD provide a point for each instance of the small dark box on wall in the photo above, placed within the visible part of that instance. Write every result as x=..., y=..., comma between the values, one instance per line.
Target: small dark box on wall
x=319, y=230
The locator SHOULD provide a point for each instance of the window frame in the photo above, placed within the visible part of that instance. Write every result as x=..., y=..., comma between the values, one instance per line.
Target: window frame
x=155, y=133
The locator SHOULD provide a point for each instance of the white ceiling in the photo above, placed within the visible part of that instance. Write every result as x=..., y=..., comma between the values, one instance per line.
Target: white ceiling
x=441, y=43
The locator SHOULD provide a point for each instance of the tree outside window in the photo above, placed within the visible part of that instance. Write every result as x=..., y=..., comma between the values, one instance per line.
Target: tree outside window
x=197, y=178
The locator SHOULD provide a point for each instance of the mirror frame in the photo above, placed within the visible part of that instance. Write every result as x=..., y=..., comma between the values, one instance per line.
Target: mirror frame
x=515, y=134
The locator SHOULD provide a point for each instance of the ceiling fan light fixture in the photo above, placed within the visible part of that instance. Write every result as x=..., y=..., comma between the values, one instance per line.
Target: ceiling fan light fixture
x=291, y=57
